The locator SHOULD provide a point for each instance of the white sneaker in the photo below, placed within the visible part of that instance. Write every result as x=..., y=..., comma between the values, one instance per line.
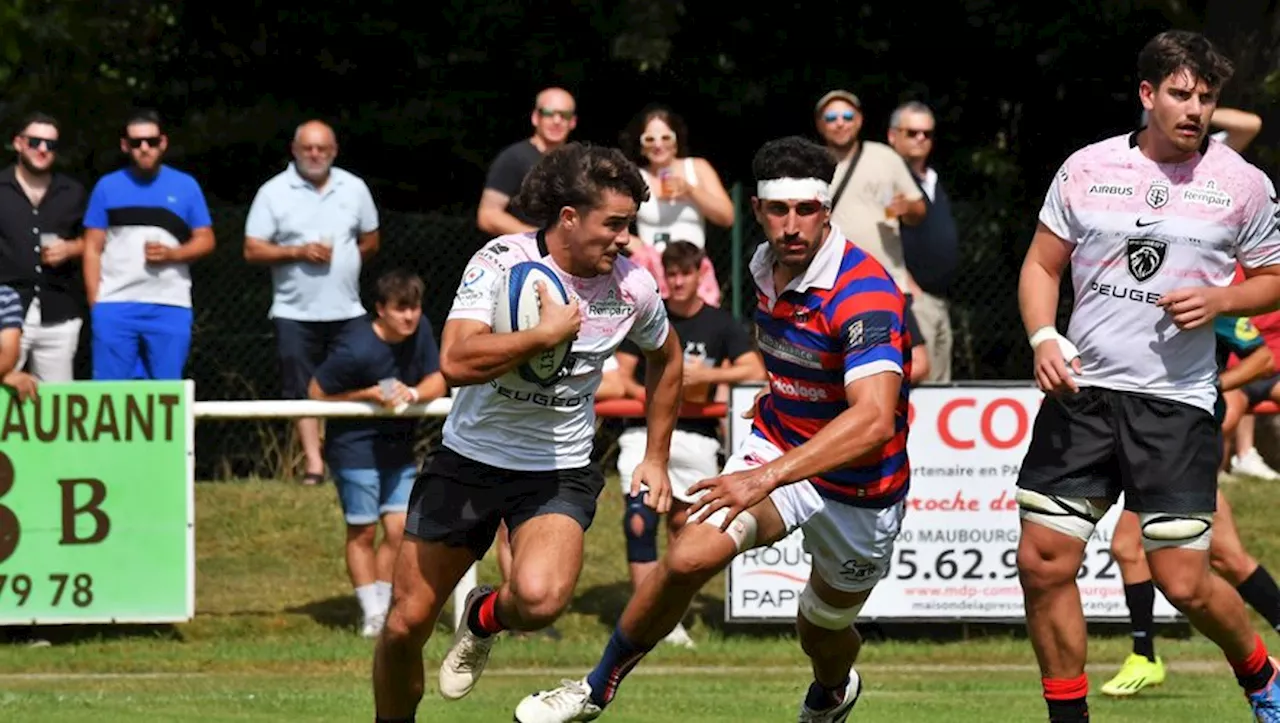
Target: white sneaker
x=467, y=656
x=679, y=637
x=1252, y=464
x=372, y=626
x=840, y=713
x=570, y=702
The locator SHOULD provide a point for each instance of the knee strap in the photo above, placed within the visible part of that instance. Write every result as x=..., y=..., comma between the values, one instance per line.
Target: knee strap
x=1191, y=531
x=824, y=615
x=642, y=544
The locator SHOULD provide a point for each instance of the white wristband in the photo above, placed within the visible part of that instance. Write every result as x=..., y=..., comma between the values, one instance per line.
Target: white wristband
x=1043, y=334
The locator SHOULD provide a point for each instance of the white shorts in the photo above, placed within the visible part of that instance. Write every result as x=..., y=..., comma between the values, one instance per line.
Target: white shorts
x=694, y=457
x=851, y=546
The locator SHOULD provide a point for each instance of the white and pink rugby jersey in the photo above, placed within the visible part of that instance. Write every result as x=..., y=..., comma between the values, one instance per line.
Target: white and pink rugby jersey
x=1140, y=229
x=519, y=425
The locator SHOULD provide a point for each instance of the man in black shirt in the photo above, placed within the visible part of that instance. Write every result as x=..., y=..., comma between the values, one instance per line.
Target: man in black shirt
x=554, y=118
x=41, y=214
x=717, y=350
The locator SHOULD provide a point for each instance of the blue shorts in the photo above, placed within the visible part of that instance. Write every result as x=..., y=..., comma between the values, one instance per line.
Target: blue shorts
x=139, y=341
x=303, y=346
x=367, y=494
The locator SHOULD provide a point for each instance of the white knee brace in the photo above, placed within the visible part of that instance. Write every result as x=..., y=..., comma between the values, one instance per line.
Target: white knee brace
x=1190, y=531
x=824, y=615
x=1074, y=516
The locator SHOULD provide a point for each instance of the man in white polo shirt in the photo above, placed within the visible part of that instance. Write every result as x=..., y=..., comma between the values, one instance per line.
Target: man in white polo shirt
x=315, y=225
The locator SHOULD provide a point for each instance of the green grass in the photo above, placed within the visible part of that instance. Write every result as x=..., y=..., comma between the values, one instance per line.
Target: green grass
x=273, y=640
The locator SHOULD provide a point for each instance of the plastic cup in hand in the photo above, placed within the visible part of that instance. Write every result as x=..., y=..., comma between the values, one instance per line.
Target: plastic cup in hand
x=49, y=239
x=326, y=240
x=387, y=387
x=664, y=184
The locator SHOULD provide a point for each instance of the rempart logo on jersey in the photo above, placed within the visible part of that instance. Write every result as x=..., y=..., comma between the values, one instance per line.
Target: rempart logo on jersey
x=1145, y=256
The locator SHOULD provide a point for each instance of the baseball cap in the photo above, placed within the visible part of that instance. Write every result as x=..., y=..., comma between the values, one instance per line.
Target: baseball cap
x=837, y=94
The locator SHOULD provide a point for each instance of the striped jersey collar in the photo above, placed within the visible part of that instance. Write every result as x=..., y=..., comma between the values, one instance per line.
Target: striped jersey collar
x=821, y=274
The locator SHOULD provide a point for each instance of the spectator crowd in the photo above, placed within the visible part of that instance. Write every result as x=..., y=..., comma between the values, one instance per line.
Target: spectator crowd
x=117, y=259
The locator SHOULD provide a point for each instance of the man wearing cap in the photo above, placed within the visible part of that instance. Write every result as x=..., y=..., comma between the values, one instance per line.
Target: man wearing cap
x=872, y=194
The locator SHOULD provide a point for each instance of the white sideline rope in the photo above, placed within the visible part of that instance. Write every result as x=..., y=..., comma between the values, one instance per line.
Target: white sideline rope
x=298, y=408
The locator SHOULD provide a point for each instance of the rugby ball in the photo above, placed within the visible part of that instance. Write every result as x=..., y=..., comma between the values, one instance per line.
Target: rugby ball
x=518, y=308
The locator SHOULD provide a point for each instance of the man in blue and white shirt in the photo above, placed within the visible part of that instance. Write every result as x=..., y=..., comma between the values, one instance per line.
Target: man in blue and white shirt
x=11, y=344
x=314, y=224
x=144, y=225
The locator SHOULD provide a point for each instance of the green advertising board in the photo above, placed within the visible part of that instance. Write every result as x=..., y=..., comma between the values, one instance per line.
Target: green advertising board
x=97, y=510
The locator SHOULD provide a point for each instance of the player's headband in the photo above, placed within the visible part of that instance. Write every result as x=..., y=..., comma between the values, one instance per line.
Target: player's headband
x=783, y=189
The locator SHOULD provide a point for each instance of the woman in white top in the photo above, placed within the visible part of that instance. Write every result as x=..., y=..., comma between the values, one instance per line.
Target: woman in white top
x=684, y=194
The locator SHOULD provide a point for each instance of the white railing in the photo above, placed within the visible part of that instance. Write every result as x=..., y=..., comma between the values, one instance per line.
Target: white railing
x=294, y=409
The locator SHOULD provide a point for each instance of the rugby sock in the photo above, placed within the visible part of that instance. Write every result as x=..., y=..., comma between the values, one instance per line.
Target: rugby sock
x=820, y=697
x=1067, y=699
x=368, y=597
x=384, y=595
x=483, y=619
x=394, y=720
x=1260, y=591
x=620, y=656
x=1141, y=599
x=1255, y=671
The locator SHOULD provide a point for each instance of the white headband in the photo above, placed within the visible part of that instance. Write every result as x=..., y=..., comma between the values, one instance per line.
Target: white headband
x=783, y=189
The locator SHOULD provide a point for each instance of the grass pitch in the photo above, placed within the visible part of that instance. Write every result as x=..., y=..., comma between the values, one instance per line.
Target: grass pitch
x=274, y=640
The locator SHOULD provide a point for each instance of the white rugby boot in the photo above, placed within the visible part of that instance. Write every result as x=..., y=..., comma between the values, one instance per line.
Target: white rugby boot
x=569, y=703
x=468, y=655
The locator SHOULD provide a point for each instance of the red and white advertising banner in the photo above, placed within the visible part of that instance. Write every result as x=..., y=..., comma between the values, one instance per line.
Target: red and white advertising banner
x=955, y=558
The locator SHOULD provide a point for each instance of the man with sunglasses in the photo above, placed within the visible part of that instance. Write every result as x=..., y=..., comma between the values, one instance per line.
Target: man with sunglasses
x=554, y=117
x=932, y=247
x=872, y=196
x=144, y=225
x=40, y=248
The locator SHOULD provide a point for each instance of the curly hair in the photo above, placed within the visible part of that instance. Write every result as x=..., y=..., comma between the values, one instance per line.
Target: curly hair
x=793, y=157
x=629, y=139
x=575, y=175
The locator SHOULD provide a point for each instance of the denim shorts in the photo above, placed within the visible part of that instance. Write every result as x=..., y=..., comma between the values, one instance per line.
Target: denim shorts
x=367, y=494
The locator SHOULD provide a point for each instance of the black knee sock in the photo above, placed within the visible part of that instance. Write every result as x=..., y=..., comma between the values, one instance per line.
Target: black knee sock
x=394, y=720
x=1141, y=599
x=1260, y=591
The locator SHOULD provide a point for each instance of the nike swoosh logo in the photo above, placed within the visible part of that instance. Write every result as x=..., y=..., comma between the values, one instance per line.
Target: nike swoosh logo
x=1139, y=223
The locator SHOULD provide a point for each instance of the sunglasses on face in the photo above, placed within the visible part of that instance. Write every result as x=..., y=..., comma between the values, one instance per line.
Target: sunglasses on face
x=917, y=133
x=655, y=140
x=832, y=116
x=566, y=115
x=149, y=141
x=35, y=143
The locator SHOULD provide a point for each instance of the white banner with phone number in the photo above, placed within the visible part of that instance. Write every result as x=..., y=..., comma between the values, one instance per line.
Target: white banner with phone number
x=955, y=558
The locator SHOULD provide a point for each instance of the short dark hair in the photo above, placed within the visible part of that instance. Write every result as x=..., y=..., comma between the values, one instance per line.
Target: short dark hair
x=683, y=255
x=37, y=117
x=140, y=115
x=630, y=140
x=793, y=157
x=575, y=175
x=399, y=286
x=1175, y=50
